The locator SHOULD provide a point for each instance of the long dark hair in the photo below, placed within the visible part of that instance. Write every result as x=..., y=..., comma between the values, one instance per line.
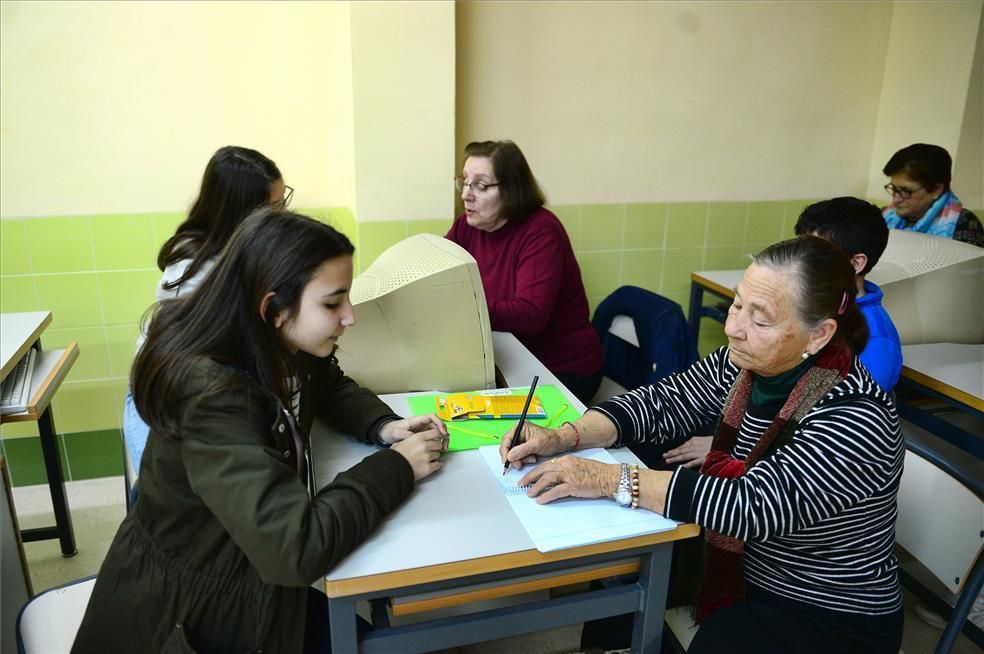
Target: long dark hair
x=519, y=194
x=272, y=250
x=235, y=182
x=821, y=274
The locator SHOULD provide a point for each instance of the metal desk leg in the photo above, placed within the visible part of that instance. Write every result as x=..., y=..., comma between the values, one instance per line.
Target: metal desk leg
x=693, y=312
x=341, y=617
x=654, y=578
x=56, y=486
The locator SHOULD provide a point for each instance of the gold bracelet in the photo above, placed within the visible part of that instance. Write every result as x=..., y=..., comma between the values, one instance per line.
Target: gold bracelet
x=634, y=485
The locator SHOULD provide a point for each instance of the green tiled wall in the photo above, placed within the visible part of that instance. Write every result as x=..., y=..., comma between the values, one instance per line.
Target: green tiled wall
x=652, y=245
x=97, y=275
x=85, y=455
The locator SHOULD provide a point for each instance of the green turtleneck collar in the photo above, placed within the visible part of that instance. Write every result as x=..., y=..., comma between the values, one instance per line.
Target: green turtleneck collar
x=776, y=390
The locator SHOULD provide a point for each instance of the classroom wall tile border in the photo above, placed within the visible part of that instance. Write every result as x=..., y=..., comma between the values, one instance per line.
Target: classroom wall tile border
x=97, y=274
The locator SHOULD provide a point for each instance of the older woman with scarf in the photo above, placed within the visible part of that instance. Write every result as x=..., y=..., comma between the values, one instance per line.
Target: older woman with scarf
x=798, y=493
x=921, y=197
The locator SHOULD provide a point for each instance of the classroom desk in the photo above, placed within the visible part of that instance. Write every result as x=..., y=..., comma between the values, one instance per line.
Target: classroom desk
x=456, y=536
x=720, y=283
x=18, y=333
x=953, y=373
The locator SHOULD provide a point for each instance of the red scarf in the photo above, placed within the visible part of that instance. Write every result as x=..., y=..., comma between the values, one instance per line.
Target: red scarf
x=723, y=583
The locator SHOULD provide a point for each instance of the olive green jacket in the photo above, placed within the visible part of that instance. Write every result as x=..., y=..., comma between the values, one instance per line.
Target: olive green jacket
x=225, y=539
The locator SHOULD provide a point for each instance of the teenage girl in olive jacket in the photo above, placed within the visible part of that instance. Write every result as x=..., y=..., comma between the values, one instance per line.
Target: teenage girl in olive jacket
x=222, y=546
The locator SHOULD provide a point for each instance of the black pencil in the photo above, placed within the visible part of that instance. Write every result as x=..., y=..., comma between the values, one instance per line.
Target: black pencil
x=522, y=419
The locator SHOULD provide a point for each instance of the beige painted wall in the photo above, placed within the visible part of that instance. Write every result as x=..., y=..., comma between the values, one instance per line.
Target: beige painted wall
x=337, y=172
x=403, y=73
x=116, y=107
x=927, y=75
x=968, y=165
x=647, y=101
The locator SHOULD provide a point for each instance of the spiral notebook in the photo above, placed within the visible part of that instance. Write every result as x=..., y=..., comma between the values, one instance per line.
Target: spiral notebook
x=571, y=522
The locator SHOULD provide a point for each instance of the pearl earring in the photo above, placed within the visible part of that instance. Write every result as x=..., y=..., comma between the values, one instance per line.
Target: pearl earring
x=806, y=355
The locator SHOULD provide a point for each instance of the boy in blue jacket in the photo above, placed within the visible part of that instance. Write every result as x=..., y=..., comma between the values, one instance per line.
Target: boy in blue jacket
x=859, y=229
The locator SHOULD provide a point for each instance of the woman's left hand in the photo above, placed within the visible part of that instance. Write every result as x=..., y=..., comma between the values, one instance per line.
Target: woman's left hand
x=691, y=454
x=571, y=476
x=397, y=430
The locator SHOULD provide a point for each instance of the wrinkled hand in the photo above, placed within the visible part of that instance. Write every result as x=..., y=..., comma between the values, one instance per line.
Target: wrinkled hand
x=691, y=454
x=422, y=450
x=536, y=440
x=571, y=476
x=397, y=430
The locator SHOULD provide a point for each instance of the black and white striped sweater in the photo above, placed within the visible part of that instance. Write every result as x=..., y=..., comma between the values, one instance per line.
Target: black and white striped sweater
x=818, y=516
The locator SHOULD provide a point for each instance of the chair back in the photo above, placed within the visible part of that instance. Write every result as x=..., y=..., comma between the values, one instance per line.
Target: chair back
x=135, y=435
x=665, y=343
x=49, y=621
x=941, y=523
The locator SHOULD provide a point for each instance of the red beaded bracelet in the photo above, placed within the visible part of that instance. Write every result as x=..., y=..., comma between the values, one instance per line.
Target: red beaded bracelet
x=577, y=434
x=634, y=485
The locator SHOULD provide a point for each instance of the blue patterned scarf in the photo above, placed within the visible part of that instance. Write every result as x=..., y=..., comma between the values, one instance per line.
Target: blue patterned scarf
x=939, y=220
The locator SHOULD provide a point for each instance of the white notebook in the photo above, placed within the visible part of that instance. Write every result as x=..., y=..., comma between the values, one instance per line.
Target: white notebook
x=572, y=522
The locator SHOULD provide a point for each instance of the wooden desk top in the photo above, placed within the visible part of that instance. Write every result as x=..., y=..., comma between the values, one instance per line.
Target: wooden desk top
x=18, y=331
x=955, y=370
x=335, y=587
x=438, y=534
x=719, y=281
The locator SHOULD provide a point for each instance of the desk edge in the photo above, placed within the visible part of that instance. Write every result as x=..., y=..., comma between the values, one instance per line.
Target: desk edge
x=49, y=385
x=714, y=287
x=943, y=388
x=497, y=563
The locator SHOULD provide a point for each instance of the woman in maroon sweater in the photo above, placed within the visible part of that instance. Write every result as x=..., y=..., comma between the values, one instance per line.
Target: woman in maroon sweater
x=531, y=278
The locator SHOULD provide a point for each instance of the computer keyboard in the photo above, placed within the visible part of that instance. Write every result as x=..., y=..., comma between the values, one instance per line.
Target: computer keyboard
x=16, y=389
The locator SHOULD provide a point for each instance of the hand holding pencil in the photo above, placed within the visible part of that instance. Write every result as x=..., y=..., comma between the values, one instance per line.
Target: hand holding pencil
x=530, y=441
x=518, y=429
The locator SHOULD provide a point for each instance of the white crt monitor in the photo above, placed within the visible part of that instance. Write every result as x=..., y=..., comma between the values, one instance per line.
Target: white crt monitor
x=934, y=288
x=422, y=323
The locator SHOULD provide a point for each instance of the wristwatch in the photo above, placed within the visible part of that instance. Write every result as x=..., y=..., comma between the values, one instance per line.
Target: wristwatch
x=623, y=494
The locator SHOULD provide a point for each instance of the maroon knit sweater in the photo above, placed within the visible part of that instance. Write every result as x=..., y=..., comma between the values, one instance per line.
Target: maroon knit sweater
x=534, y=290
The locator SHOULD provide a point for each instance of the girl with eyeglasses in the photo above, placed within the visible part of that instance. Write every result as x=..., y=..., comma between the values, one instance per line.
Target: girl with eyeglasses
x=922, y=200
x=236, y=181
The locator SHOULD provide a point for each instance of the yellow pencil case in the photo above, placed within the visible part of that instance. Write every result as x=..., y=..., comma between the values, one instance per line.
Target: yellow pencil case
x=470, y=406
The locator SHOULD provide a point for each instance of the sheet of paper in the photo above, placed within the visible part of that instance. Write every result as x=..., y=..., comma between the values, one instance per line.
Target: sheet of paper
x=572, y=522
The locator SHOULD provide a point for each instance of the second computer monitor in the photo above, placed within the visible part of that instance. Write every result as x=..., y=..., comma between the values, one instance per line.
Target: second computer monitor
x=934, y=288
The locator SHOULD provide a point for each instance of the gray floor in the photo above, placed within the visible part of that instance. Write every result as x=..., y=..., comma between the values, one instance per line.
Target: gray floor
x=97, y=509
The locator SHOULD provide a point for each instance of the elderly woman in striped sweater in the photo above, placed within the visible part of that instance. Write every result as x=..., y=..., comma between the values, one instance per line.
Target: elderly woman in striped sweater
x=798, y=493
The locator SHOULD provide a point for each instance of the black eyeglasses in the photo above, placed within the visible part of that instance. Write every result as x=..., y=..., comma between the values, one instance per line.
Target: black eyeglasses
x=481, y=187
x=288, y=194
x=901, y=191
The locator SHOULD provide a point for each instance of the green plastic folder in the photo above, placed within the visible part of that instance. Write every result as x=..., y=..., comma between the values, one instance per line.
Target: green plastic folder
x=465, y=433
